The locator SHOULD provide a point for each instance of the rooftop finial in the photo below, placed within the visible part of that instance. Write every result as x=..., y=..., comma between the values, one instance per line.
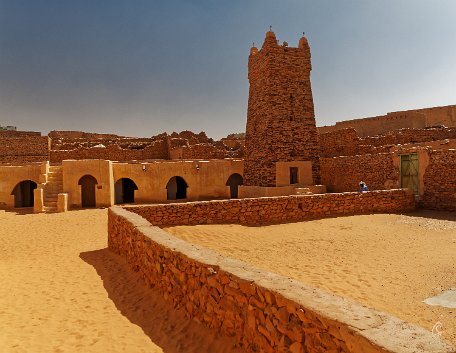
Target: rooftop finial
x=303, y=34
x=270, y=28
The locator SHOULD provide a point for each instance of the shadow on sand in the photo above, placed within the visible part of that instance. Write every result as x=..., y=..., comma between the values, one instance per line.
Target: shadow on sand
x=145, y=307
x=440, y=215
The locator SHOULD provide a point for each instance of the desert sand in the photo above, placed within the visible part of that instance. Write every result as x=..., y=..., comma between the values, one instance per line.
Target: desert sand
x=388, y=262
x=63, y=291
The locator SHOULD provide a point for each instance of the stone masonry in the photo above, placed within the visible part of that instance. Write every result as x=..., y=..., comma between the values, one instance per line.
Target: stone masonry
x=269, y=210
x=260, y=310
x=280, y=118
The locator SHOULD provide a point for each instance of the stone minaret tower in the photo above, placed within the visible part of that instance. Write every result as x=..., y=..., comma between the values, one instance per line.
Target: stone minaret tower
x=280, y=118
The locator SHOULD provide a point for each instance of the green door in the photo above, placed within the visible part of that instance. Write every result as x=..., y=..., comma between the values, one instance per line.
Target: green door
x=409, y=172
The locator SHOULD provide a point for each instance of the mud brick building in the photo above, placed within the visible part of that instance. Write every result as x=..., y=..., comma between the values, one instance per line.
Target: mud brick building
x=280, y=119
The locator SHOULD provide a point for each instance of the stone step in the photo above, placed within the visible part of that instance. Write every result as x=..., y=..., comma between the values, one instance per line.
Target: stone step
x=53, y=177
x=49, y=209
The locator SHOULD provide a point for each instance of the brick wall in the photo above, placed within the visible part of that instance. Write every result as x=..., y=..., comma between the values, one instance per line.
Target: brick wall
x=440, y=181
x=341, y=174
x=262, y=311
x=276, y=209
x=280, y=117
x=19, y=147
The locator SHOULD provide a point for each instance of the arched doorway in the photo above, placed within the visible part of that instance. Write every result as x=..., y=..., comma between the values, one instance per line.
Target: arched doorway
x=23, y=193
x=233, y=182
x=88, y=183
x=125, y=190
x=176, y=188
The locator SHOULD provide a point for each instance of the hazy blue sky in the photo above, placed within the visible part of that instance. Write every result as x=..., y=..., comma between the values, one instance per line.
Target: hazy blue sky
x=142, y=67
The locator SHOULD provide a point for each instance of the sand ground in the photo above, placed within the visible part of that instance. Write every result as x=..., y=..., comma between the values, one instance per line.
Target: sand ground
x=388, y=262
x=63, y=291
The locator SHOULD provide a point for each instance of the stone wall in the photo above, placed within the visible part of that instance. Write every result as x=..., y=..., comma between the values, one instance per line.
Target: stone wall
x=19, y=147
x=280, y=117
x=345, y=142
x=267, y=210
x=262, y=311
x=417, y=118
x=341, y=174
x=113, y=152
x=184, y=145
x=440, y=181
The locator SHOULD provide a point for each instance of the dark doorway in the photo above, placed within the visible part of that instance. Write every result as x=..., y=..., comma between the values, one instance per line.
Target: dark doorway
x=23, y=194
x=294, y=175
x=176, y=188
x=125, y=191
x=233, y=182
x=88, y=183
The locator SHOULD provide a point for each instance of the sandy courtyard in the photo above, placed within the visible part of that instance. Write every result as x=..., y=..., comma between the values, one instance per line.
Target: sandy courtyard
x=63, y=291
x=388, y=262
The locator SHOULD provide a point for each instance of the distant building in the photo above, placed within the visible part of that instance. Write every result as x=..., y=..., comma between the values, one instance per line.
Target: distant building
x=8, y=127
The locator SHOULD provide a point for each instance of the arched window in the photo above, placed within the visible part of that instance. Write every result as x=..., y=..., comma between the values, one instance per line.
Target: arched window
x=23, y=193
x=88, y=183
x=125, y=190
x=176, y=188
x=233, y=182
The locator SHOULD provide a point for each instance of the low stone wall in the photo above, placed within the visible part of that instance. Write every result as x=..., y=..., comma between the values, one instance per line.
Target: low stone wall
x=262, y=311
x=267, y=210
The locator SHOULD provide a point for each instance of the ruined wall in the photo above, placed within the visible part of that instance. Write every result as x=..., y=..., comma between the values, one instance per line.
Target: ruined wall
x=19, y=147
x=262, y=311
x=417, y=118
x=341, y=174
x=440, y=181
x=280, y=116
x=113, y=152
x=83, y=145
x=183, y=145
x=187, y=145
x=276, y=209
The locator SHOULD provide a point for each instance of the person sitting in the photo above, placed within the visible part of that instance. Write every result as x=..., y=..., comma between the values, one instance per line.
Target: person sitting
x=363, y=187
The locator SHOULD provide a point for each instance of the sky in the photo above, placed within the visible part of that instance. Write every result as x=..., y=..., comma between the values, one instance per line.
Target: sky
x=142, y=67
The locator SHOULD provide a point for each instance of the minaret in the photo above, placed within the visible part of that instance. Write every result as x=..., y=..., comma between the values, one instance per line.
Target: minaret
x=280, y=117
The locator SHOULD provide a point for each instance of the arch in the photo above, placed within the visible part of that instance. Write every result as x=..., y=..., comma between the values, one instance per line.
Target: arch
x=233, y=182
x=88, y=183
x=23, y=193
x=176, y=189
x=125, y=190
